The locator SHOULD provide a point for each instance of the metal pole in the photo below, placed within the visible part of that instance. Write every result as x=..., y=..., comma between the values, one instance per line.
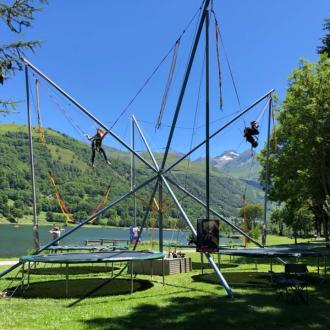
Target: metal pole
x=34, y=197
x=160, y=217
x=218, y=131
x=185, y=81
x=270, y=106
x=208, y=256
x=207, y=115
x=87, y=113
x=146, y=214
x=133, y=172
x=146, y=143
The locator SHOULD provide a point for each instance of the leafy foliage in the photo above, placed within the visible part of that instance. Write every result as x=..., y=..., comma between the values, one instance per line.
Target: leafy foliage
x=299, y=160
x=325, y=48
x=16, y=17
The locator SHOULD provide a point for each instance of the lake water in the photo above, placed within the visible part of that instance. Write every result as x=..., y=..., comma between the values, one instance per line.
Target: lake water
x=17, y=241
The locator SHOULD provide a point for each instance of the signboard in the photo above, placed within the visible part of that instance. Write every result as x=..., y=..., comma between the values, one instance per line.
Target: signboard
x=207, y=235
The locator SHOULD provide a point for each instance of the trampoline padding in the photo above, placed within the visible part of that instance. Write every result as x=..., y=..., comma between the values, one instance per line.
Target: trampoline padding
x=93, y=257
x=275, y=252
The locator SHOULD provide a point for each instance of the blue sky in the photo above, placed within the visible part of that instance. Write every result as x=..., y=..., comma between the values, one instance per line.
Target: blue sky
x=101, y=52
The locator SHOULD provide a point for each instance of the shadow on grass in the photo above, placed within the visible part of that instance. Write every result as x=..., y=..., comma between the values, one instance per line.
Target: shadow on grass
x=252, y=309
x=72, y=270
x=206, y=265
x=79, y=287
x=237, y=279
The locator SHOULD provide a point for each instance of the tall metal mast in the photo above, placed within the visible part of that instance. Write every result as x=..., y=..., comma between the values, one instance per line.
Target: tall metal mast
x=207, y=114
x=264, y=232
x=133, y=170
x=34, y=198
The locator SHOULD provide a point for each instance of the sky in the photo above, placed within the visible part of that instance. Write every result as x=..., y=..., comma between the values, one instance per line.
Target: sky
x=101, y=52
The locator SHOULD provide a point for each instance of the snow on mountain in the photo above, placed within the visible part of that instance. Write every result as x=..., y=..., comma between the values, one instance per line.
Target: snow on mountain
x=224, y=158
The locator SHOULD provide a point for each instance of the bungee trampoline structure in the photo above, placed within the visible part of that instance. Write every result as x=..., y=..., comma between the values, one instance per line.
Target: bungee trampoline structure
x=160, y=170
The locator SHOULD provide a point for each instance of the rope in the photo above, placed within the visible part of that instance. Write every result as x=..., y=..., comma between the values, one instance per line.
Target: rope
x=262, y=110
x=155, y=70
x=245, y=215
x=195, y=118
x=274, y=139
x=227, y=61
x=102, y=202
x=217, y=34
x=69, y=217
x=168, y=83
x=73, y=123
x=245, y=221
x=41, y=129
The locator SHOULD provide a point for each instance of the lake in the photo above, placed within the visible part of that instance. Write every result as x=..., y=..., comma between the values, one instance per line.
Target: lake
x=17, y=241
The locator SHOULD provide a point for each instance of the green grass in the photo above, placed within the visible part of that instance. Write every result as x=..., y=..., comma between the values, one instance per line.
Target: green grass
x=274, y=240
x=187, y=301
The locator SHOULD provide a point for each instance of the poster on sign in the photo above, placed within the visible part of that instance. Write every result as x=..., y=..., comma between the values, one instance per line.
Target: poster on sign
x=207, y=235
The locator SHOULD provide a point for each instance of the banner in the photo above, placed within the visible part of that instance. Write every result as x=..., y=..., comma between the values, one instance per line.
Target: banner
x=207, y=235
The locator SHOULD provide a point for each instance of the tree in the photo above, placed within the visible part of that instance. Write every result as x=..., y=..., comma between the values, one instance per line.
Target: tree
x=277, y=219
x=299, y=163
x=16, y=17
x=325, y=48
x=253, y=214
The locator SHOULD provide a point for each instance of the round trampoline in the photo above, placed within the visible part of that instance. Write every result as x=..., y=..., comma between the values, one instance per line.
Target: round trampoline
x=283, y=251
x=279, y=251
x=87, y=257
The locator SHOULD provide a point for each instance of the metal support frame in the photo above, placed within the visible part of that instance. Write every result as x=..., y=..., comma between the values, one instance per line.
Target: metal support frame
x=133, y=170
x=207, y=115
x=160, y=218
x=33, y=181
x=161, y=180
x=270, y=108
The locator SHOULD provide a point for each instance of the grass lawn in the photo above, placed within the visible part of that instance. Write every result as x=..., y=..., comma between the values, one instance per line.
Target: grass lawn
x=187, y=301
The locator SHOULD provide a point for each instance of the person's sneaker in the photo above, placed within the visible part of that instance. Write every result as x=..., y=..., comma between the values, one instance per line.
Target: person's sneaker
x=93, y=166
x=109, y=163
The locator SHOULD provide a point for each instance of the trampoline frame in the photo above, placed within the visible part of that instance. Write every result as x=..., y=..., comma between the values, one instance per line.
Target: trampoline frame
x=284, y=251
x=34, y=259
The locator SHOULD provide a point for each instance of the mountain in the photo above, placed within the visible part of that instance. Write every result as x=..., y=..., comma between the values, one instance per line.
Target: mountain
x=226, y=157
x=81, y=187
x=243, y=165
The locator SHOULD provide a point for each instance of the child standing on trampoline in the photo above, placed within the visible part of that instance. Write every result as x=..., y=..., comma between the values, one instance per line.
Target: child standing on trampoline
x=97, y=145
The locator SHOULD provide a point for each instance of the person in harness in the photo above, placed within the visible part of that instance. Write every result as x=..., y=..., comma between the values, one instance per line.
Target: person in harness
x=250, y=132
x=97, y=145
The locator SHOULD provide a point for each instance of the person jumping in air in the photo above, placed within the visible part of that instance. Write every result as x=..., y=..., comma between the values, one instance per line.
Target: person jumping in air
x=249, y=133
x=97, y=145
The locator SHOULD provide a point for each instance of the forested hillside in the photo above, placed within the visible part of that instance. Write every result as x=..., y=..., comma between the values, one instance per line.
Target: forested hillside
x=82, y=187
